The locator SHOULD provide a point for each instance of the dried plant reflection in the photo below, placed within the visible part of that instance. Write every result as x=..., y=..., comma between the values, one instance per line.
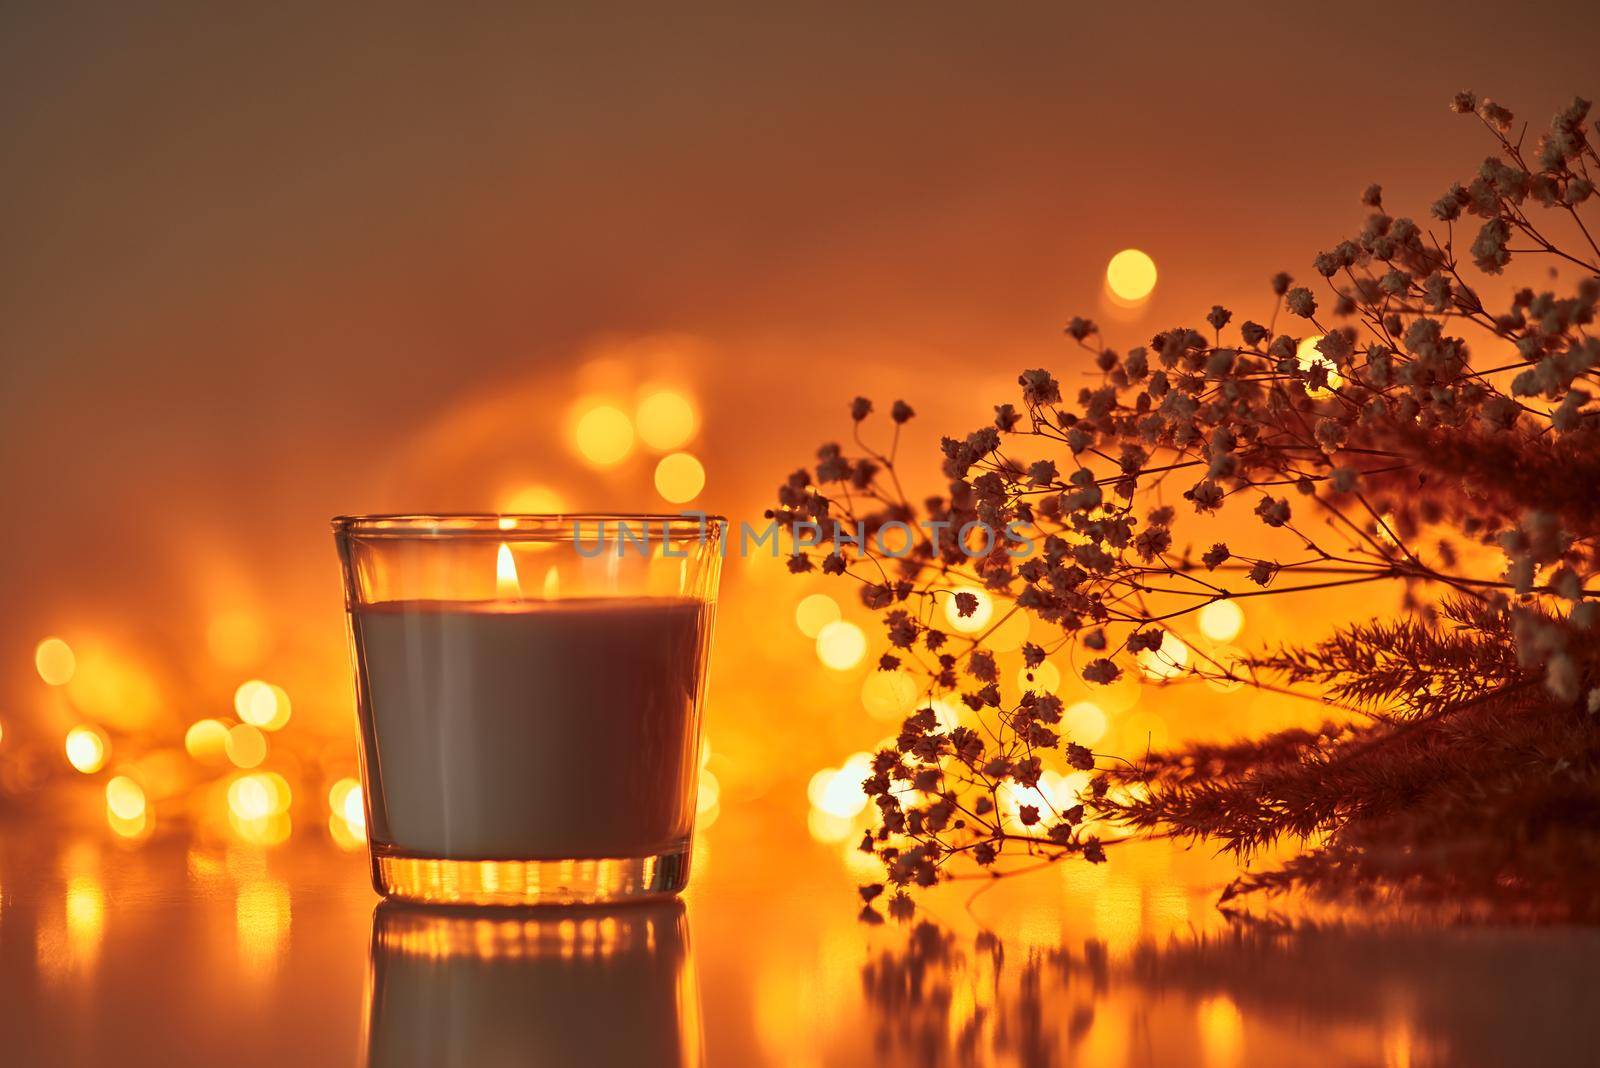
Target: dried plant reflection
x=1252, y=994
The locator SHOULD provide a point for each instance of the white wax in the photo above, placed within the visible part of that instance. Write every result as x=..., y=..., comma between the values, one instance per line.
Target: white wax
x=532, y=729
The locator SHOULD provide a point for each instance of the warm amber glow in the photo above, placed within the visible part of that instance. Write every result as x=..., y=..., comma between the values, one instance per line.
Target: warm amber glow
x=115, y=690
x=1221, y=1031
x=1307, y=355
x=262, y=704
x=262, y=915
x=235, y=638
x=88, y=748
x=680, y=478
x=85, y=917
x=1221, y=620
x=207, y=741
x=268, y=830
x=1142, y=732
x=246, y=746
x=530, y=500
x=1084, y=723
x=889, y=694
x=552, y=584
x=815, y=612
x=978, y=619
x=55, y=661
x=1166, y=662
x=1131, y=275
x=666, y=420
x=506, y=583
x=604, y=435
x=1009, y=634
x=841, y=645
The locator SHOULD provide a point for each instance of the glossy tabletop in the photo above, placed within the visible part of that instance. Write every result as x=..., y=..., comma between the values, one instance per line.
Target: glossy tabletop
x=176, y=952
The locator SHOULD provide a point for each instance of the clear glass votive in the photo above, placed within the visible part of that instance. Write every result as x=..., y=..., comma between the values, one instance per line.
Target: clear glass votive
x=529, y=691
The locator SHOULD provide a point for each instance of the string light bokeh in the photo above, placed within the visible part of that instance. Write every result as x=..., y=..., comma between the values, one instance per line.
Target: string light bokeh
x=271, y=766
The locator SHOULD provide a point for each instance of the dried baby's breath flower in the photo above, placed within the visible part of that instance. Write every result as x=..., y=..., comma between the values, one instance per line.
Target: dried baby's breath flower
x=1411, y=425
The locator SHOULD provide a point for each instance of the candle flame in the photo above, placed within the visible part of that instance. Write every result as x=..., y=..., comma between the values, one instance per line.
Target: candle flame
x=552, y=583
x=505, y=574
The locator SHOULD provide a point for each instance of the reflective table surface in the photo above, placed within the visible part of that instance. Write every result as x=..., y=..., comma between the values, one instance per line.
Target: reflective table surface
x=174, y=952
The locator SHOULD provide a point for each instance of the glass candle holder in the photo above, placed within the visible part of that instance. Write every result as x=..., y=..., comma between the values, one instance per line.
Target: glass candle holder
x=529, y=691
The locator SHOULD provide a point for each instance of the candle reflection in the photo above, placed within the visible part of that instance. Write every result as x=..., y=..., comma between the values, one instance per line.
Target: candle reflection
x=551, y=986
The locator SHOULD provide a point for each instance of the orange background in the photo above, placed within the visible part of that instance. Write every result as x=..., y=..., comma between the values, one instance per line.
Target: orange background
x=267, y=266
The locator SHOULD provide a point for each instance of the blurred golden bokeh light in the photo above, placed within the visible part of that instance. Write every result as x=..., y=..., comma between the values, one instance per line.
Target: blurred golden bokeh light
x=87, y=748
x=262, y=704
x=125, y=798
x=1307, y=355
x=246, y=746
x=1131, y=275
x=347, y=816
x=666, y=420
x=1046, y=678
x=841, y=645
x=266, y=830
x=889, y=694
x=1084, y=723
x=708, y=800
x=1228, y=670
x=127, y=809
x=248, y=798
x=206, y=741
x=837, y=791
x=1221, y=620
x=980, y=616
x=258, y=795
x=136, y=827
x=604, y=435
x=680, y=478
x=258, y=807
x=1167, y=662
x=55, y=661
x=815, y=612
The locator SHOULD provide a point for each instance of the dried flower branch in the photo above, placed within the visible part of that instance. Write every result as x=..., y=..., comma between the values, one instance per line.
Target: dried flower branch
x=1398, y=432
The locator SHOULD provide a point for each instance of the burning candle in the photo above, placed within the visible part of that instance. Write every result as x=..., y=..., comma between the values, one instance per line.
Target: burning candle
x=528, y=749
x=540, y=729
